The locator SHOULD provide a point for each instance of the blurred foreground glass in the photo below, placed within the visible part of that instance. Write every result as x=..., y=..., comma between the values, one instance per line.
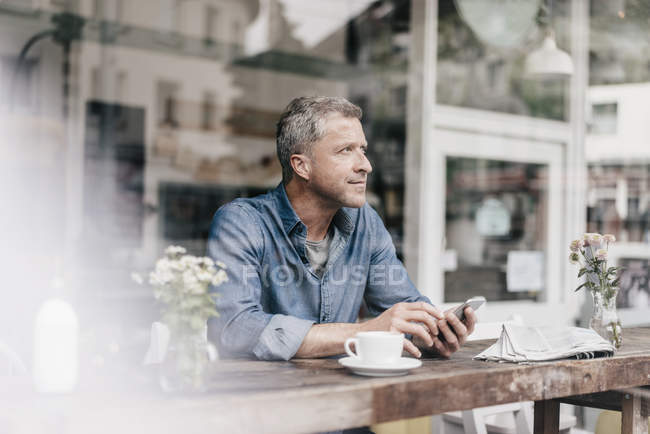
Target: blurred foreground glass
x=172, y=113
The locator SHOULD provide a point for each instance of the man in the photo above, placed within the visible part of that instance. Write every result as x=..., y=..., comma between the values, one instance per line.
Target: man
x=303, y=257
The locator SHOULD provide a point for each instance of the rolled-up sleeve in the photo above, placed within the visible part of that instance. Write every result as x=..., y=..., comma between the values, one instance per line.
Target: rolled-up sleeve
x=242, y=328
x=281, y=337
x=388, y=281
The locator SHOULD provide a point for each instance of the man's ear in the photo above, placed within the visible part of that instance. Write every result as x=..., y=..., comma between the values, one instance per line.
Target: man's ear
x=301, y=164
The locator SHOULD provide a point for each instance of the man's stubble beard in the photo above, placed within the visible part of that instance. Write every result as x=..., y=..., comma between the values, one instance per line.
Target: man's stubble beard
x=337, y=198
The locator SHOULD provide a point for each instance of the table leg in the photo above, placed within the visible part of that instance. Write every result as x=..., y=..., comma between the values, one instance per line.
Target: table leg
x=547, y=417
x=635, y=419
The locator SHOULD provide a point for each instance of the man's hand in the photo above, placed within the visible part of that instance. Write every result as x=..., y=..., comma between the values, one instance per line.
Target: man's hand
x=455, y=332
x=403, y=317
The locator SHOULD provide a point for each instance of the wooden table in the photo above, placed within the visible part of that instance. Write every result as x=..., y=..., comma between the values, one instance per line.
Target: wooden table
x=320, y=395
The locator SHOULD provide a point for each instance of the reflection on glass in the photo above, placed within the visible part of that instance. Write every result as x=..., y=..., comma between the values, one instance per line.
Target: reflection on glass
x=173, y=107
x=618, y=202
x=476, y=74
x=495, y=229
x=635, y=284
x=619, y=42
x=616, y=146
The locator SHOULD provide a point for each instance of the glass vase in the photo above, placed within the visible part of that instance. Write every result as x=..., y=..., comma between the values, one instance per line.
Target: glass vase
x=604, y=319
x=185, y=365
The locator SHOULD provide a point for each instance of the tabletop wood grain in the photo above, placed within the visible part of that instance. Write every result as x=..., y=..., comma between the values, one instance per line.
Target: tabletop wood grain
x=319, y=394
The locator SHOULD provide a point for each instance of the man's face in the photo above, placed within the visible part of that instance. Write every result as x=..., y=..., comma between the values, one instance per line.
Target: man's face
x=339, y=167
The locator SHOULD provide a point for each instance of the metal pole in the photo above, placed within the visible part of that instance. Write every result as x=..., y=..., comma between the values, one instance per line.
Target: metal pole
x=66, y=80
x=21, y=59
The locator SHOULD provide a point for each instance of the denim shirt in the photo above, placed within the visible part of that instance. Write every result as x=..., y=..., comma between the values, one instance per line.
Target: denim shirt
x=273, y=297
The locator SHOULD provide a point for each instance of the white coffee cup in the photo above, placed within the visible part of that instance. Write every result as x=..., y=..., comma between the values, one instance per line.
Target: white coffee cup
x=377, y=347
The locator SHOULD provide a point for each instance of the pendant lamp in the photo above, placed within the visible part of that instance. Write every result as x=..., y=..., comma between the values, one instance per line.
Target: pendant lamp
x=548, y=61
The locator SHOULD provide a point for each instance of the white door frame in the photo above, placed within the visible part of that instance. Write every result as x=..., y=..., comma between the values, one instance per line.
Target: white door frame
x=424, y=216
x=489, y=146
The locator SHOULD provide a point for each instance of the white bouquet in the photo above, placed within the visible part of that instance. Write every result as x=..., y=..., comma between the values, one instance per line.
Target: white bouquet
x=182, y=283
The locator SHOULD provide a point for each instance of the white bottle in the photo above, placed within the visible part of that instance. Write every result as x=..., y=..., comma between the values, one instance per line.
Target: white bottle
x=56, y=338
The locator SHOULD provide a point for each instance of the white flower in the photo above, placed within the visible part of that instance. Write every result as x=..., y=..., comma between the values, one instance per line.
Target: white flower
x=189, y=278
x=575, y=245
x=163, y=264
x=609, y=238
x=175, y=250
x=593, y=238
x=219, y=278
x=181, y=282
x=160, y=277
x=196, y=289
x=163, y=273
x=574, y=258
x=601, y=254
x=206, y=261
x=185, y=260
x=204, y=276
x=221, y=265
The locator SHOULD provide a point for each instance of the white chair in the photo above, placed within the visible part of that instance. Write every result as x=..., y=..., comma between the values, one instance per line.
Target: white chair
x=514, y=418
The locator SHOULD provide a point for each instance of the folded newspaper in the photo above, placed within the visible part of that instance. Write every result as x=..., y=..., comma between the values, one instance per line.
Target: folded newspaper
x=523, y=344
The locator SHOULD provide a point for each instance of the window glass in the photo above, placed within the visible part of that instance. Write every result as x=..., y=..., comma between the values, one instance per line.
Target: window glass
x=495, y=230
x=171, y=112
x=482, y=50
x=616, y=146
x=604, y=118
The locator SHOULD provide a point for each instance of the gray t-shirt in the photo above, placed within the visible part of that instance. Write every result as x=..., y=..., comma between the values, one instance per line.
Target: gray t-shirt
x=318, y=252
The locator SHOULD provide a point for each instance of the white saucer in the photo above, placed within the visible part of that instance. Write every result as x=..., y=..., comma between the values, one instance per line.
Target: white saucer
x=401, y=367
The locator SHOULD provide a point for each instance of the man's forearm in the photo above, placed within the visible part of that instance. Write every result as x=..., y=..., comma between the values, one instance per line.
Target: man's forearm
x=324, y=340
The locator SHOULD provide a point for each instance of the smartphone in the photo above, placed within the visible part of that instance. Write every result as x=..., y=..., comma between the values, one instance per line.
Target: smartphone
x=474, y=303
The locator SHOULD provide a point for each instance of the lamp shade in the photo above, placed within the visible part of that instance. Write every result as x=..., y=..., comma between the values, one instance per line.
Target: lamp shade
x=548, y=61
x=500, y=23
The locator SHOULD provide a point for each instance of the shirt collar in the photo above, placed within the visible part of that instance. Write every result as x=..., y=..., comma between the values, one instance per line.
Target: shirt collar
x=343, y=221
x=290, y=219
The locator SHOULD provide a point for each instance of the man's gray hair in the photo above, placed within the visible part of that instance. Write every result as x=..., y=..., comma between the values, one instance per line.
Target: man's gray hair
x=301, y=125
